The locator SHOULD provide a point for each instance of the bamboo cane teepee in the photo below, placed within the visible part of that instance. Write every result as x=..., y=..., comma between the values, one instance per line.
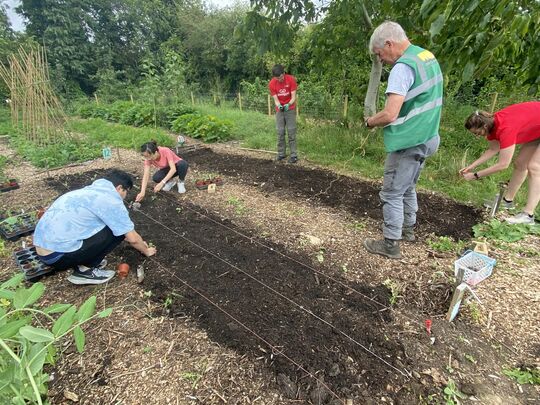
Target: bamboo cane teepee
x=34, y=106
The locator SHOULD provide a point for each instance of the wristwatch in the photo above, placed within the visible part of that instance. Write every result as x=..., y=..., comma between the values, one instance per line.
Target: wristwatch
x=476, y=176
x=366, y=123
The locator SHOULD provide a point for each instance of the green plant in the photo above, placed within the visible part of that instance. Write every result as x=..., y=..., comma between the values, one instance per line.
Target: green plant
x=445, y=244
x=394, y=288
x=238, y=205
x=192, y=377
x=524, y=375
x=147, y=349
x=320, y=255
x=452, y=394
x=471, y=358
x=506, y=232
x=474, y=311
x=27, y=348
x=206, y=127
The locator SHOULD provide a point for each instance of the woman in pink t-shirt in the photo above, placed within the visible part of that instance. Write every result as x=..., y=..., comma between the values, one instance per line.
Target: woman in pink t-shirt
x=172, y=169
x=518, y=124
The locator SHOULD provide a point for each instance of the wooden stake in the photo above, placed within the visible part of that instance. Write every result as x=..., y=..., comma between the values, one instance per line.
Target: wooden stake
x=192, y=99
x=118, y=153
x=131, y=98
x=96, y=97
x=240, y=100
x=494, y=102
x=269, y=106
x=297, y=107
x=346, y=106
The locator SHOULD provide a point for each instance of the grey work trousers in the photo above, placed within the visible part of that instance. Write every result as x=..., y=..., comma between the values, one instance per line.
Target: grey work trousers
x=398, y=195
x=286, y=120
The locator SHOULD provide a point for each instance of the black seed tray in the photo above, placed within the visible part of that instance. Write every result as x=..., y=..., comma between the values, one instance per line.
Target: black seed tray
x=24, y=226
x=8, y=186
x=31, y=266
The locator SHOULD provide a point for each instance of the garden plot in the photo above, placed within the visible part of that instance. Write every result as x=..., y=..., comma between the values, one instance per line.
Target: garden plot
x=319, y=336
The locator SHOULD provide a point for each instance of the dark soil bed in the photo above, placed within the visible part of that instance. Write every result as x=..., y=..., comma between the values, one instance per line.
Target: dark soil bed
x=436, y=214
x=267, y=306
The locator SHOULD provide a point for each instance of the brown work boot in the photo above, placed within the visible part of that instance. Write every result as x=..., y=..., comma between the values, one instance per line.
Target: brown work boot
x=386, y=247
x=407, y=234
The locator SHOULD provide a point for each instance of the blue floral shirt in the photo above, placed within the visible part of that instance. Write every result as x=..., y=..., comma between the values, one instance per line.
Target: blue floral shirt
x=80, y=214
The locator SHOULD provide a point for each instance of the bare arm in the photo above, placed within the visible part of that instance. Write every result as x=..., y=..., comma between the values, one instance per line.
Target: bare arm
x=389, y=113
x=276, y=100
x=136, y=241
x=293, y=97
x=146, y=176
x=505, y=158
x=488, y=154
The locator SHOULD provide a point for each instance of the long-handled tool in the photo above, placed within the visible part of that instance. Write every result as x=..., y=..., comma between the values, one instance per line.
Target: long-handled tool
x=498, y=199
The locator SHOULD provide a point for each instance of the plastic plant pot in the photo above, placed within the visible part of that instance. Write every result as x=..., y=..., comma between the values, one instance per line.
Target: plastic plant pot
x=123, y=270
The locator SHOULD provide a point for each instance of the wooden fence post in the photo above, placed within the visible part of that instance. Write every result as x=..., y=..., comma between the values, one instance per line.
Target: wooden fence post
x=240, y=100
x=131, y=98
x=297, y=107
x=96, y=97
x=269, y=106
x=494, y=102
x=346, y=106
x=192, y=99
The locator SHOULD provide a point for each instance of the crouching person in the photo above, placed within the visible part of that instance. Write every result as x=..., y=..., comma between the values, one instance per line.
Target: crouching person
x=82, y=226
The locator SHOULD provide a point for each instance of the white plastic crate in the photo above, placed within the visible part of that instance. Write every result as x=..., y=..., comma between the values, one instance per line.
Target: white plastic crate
x=476, y=266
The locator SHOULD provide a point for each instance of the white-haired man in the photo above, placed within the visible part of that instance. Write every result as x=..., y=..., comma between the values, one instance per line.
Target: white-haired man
x=410, y=121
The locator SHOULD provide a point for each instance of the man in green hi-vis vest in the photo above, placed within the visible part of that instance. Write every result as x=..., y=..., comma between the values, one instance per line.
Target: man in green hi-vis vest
x=410, y=122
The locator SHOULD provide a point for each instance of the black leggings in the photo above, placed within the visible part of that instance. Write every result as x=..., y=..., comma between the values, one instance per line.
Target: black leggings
x=92, y=252
x=181, y=171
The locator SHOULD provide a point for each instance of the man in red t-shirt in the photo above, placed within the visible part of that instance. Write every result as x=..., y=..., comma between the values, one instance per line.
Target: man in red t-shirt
x=518, y=124
x=283, y=90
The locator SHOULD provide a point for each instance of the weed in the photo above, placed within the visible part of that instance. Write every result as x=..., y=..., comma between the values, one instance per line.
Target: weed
x=168, y=302
x=357, y=226
x=471, y=358
x=238, y=205
x=474, y=311
x=178, y=210
x=524, y=375
x=344, y=268
x=394, y=288
x=194, y=378
x=504, y=231
x=320, y=255
x=3, y=251
x=148, y=293
x=452, y=394
x=147, y=349
x=445, y=244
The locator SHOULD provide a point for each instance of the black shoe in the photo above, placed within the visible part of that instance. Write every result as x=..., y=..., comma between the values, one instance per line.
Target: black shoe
x=407, y=234
x=293, y=159
x=388, y=248
x=279, y=158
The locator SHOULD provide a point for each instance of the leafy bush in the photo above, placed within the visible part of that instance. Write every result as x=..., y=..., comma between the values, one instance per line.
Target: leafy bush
x=65, y=151
x=139, y=115
x=206, y=127
x=27, y=348
x=171, y=113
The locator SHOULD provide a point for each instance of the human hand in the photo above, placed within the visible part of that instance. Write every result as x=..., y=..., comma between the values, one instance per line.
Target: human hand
x=286, y=107
x=150, y=251
x=465, y=170
x=139, y=197
x=280, y=107
x=469, y=176
x=158, y=187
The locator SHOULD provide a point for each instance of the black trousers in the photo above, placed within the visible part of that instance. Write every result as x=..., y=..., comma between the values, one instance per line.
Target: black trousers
x=181, y=171
x=92, y=251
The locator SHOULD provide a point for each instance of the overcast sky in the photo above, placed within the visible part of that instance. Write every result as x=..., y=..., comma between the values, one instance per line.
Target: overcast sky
x=18, y=25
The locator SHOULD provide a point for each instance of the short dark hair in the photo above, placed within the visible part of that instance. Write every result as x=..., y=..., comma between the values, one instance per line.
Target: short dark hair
x=150, y=147
x=120, y=178
x=278, y=70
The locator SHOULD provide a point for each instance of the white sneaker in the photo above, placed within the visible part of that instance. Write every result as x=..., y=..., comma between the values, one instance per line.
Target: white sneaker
x=170, y=184
x=181, y=187
x=100, y=266
x=521, y=218
x=91, y=276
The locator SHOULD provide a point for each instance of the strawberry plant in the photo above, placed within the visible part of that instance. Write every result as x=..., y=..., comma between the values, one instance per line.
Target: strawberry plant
x=498, y=230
